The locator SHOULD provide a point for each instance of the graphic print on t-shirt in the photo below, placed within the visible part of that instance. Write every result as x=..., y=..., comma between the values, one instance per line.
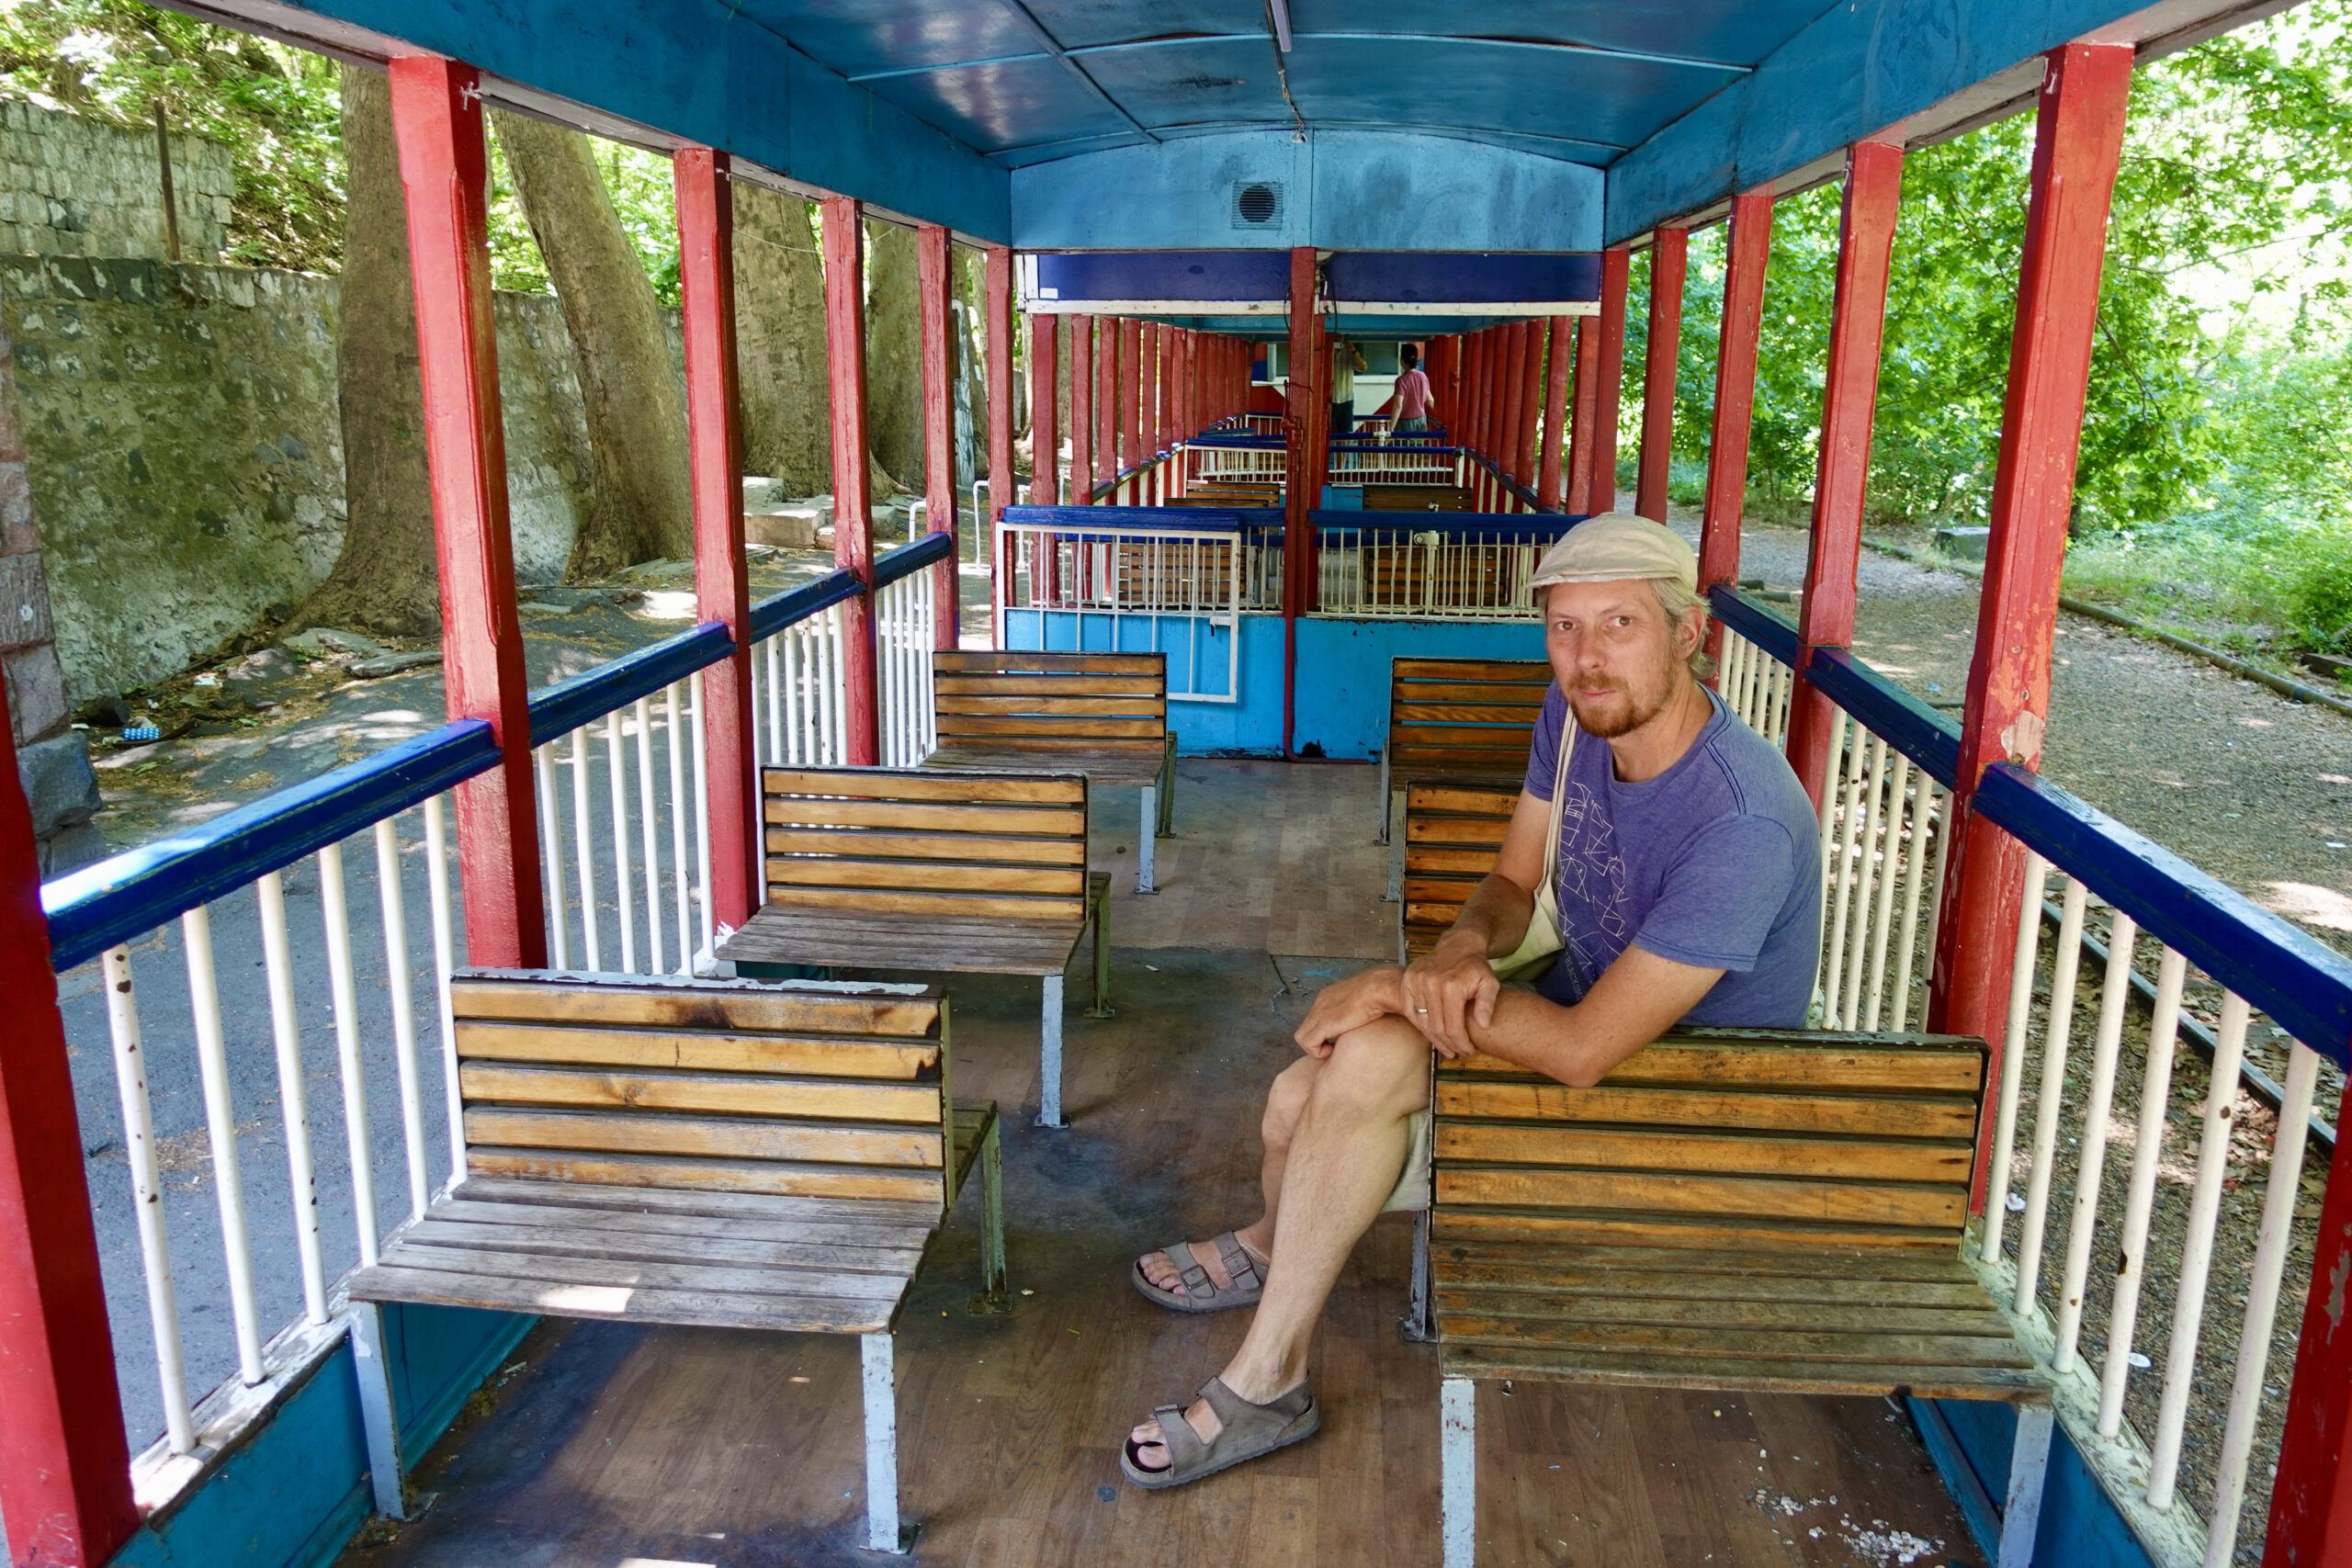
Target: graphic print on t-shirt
x=1591, y=890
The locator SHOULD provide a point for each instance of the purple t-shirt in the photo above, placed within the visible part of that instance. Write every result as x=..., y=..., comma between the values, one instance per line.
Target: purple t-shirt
x=1715, y=862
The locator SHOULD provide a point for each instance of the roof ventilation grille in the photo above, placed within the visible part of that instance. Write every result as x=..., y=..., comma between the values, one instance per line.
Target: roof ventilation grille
x=1257, y=204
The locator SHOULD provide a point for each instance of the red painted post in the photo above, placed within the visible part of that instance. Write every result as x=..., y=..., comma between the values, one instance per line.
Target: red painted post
x=1865, y=251
x=1517, y=352
x=1300, y=395
x=1044, y=414
x=1584, y=415
x=1530, y=402
x=1669, y=266
x=2078, y=138
x=844, y=258
x=1549, y=485
x=1477, y=392
x=1131, y=382
x=1608, y=377
x=1106, y=404
x=1750, y=249
x=935, y=287
x=1003, y=484
x=437, y=126
x=1149, y=410
x=2311, y=1499
x=1081, y=410
x=65, y=1464
x=705, y=207
x=1449, y=386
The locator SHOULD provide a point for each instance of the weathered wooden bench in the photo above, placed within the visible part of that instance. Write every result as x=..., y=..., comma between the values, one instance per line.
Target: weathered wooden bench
x=1461, y=718
x=938, y=871
x=1415, y=498
x=1749, y=1212
x=1103, y=715
x=1453, y=830
x=1230, y=492
x=710, y=1153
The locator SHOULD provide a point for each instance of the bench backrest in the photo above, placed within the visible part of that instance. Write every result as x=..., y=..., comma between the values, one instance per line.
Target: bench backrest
x=1744, y=1139
x=907, y=841
x=1052, y=702
x=1464, y=718
x=1416, y=498
x=797, y=1088
x=1454, y=831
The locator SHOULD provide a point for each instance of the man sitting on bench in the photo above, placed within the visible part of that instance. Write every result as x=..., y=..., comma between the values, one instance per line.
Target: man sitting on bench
x=1689, y=889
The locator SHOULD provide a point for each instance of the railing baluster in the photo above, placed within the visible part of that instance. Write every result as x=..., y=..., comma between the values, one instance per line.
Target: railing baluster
x=444, y=963
x=617, y=781
x=551, y=848
x=1891, y=867
x=679, y=872
x=398, y=980
x=2196, y=1250
x=1922, y=811
x=2147, y=1155
x=286, y=1035
x=1867, y=871
x=2115, y=993
x=336, y=919
x=792, y=751
x=702, y=820
x=2050, y=1103
x=584, y=841
x=2273, y=1243
x=647, y=837
x=1842, y=869
x=776, y=753
x=2005, y=1122
x=221, y=1134
x=147, y=1197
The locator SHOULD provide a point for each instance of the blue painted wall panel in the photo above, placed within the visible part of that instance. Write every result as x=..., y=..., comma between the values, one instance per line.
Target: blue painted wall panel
x=1341, y=190
x=1218, y=275
x=1453, y=278
x=2080, y=1526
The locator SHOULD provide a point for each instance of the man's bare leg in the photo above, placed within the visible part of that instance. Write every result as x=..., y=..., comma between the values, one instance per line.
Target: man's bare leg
x=1344, y=1158
x=1285, y=1103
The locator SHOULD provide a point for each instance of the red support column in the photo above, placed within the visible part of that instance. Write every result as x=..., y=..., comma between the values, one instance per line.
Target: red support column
x=1149, y=398
x=1608, y=377
x=1582, y=418
x=1003, y=484
x=1669, y=265
x=1448, y=386
x=1531, y=402
x=437, y=122
x=2311, y=1500
x=1081, y=410
x=2077, y=140
x=65, y=1464
x=1515, y=358
x=936, y=288
x=1865, y=251
x=1750, y=248
x=1550, y=491
x=844, y=258
x=705, y=207
x=1106, y=404
x=1300, y=394
x=1044, y=414
x=1477, y=392
x=1131, y=379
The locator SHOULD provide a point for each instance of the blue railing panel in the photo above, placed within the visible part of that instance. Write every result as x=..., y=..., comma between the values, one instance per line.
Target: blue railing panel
x=1929, y=739
x=892, y=565
x=772, y=614
x=566, y=705
x=132, y=893
x=1497, y=525
x=1110, y=519
x=1754, y=622
x=1523, y=491
x=2302, y=984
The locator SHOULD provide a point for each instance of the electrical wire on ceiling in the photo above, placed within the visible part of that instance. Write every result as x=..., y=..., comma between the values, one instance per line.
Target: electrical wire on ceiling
x=1278, y=33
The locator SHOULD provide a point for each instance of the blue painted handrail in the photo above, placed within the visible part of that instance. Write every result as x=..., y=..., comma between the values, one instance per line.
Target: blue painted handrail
x=1754, y=622
x=772, y=614
x=892, y=565
x=1509, y=483
x=1929, y=739
x=586, y=697
x=2302, y=984
x=1106, y=519
x=1543, y=529
x=92, y=909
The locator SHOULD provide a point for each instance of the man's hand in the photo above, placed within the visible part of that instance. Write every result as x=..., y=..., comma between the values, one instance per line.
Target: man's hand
x=1450, y=989
x=1350, y=1004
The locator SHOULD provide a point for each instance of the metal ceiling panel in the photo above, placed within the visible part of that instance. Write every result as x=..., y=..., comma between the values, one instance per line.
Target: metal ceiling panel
x=1200, y=82
x=1085, y=24
x=857, y=38
x=1740, y=32
x=1010, y=103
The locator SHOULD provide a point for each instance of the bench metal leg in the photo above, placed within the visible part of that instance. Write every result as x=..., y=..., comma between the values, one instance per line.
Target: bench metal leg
x=1049, y=1057
x=1168, y=788
x=1415, y=1328
x=1395, y=854
x=377, y=1414
x=883, y=1532
x=1458, y=1467
x=1144, y=839
x=1382, y=837
x=2028, y=1465
x=1102, y=1008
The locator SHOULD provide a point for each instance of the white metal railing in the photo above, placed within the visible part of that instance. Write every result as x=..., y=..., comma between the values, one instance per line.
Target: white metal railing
x=904, y=636
x=1182, y=588
x=1423, y=574
x=797, y=708
x=1403, y=463
x=1205, y=463
x=1883, y=844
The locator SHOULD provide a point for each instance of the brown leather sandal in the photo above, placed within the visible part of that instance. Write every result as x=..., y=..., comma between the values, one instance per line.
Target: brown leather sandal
x=1247, y=1431
x=1195, y=1290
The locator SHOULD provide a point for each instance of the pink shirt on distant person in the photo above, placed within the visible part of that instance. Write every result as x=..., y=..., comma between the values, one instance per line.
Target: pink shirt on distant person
x=1412, y=395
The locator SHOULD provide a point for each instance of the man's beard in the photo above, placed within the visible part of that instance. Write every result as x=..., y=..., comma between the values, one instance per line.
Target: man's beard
x=1641, y=705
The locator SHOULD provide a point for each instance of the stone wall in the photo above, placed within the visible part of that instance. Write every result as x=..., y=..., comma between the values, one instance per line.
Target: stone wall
x=185, y=452
x=71, y=186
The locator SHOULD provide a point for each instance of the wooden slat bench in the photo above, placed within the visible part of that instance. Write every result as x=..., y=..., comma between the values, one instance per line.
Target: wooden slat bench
x=1463, y=719
x=931, y=869
x=714, y=1153
x=1454, y=831
x=1103, y=715
x=1415, y=498
x=1747, y=1210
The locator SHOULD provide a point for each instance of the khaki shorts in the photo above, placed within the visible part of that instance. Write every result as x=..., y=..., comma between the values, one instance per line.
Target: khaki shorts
x=1412, y=1193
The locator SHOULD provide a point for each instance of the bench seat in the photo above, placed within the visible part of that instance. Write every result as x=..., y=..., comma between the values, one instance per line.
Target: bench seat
x=1470, y=720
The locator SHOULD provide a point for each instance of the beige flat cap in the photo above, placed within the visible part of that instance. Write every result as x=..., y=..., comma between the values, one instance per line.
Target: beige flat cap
x=1617, y=545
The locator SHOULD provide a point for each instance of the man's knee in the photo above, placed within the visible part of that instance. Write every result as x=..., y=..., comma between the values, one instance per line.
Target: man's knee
x=1286, y=1101
x=1381, y=1067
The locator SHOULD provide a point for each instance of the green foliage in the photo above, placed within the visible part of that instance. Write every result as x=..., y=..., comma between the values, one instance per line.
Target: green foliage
x=277, y=108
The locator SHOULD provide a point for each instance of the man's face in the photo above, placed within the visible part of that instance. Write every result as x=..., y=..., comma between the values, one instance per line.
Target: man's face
x=1615, y=654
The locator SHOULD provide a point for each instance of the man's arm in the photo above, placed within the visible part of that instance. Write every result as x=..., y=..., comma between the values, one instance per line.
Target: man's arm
x=1447, y=986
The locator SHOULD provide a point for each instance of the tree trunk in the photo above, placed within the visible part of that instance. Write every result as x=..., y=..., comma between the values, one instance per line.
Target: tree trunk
x=635, y=397
x=385, y=578
x=893, y=356
x=780, y=341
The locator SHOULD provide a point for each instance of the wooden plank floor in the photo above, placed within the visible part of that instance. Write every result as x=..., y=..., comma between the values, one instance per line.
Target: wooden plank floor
x=729, y=1448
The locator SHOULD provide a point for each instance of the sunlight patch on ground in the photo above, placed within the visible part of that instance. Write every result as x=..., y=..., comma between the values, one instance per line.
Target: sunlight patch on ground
x=2322, y=906
x=667, y=604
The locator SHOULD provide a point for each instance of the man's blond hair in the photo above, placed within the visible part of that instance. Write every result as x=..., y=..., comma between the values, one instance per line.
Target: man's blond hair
x=1678, y=601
